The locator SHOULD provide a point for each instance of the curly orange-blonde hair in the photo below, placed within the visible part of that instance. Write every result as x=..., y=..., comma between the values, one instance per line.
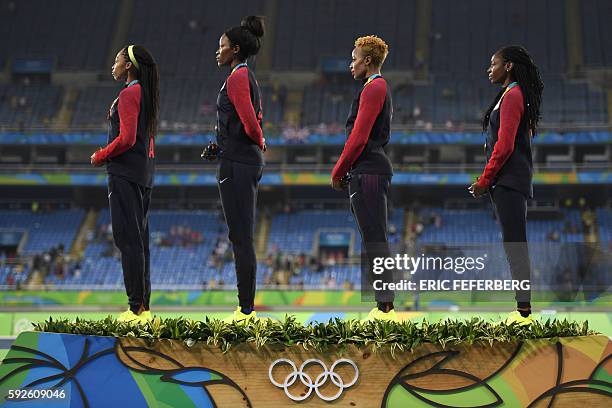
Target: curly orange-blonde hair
x=375, y=47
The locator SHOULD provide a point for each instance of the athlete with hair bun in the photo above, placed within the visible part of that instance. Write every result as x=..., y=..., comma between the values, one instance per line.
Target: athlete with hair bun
x=240, y=148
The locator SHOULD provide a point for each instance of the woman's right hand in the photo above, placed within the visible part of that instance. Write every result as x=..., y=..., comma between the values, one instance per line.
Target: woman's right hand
x=94, y=159
x=476, y=190
x=210, y=152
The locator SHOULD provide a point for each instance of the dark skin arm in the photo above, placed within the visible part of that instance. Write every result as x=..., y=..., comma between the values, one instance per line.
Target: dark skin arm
x=476, y=190
x=337, y=185
x=95, y=163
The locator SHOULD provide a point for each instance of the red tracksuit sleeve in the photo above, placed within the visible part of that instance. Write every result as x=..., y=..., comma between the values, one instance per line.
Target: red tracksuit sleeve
x=510, y=113
x=238, y=91
x=370, y=104
x=129, y=108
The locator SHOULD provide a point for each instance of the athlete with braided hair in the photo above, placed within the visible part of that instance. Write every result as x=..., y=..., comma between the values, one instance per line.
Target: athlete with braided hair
x=512, y=120
x=130, y=162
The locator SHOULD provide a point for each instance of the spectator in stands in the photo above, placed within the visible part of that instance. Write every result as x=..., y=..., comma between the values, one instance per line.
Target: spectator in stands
x=46, y=263
x=417, y=228
x=241, y=146
x=22, y=103
x=301, y=260
x=193, y=25
x=588, y=220
x=512, y=120
x=553, y=236
x=364, y=157
x=36, y=263
x=393, y=235
x=59, y=267
x=77, y=270
x=196, y=238
x=435, y=219
x=100, y=232
x=130, y=161
x=295, y=134
x=569, y=228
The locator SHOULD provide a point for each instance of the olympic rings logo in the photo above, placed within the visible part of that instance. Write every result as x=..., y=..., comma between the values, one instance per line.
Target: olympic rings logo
x=318, y=382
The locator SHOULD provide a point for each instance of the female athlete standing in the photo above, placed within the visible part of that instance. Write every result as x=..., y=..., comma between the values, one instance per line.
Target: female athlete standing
x=241, y=146
x=364, y=158
x=130, y=162
x=512, y=120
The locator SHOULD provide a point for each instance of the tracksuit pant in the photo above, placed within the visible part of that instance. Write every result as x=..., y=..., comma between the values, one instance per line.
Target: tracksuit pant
x=368, y=197
x=511, y=208
x=238, y=184
x=129, y=207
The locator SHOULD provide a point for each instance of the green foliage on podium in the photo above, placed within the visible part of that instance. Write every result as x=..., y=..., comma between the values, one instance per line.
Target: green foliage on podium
x=401, y=336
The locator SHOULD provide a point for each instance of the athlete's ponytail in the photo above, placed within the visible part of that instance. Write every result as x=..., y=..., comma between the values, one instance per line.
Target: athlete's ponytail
x=147, y=75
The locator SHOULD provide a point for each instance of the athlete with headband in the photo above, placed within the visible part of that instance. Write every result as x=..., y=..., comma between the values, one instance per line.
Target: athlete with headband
x=130, y=161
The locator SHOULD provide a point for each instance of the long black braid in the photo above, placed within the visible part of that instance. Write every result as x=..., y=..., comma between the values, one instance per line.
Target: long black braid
x=148, y=76
x=526, y=73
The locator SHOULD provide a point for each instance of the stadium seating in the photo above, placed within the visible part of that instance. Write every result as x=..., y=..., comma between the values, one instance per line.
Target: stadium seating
x=307, y=31
x=328, y=102
x=75, y=33
x=596, y=32
x=29, y=106
x=296, y=232
x=552, y=245
x=170, y=265
x=177, y=265
x=183, y=40
x=18, y=274
x=604, y=222
x=92, y=105
x=45, y=230
x=187, y=266
x=467, y=33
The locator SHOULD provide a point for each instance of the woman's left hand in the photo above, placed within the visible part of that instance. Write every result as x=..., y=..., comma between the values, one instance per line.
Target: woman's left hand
x=94, y=162
x=476, y=190
x=337, y=185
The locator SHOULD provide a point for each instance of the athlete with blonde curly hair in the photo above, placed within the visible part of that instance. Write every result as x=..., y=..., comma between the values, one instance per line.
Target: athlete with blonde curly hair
x=364, y=166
